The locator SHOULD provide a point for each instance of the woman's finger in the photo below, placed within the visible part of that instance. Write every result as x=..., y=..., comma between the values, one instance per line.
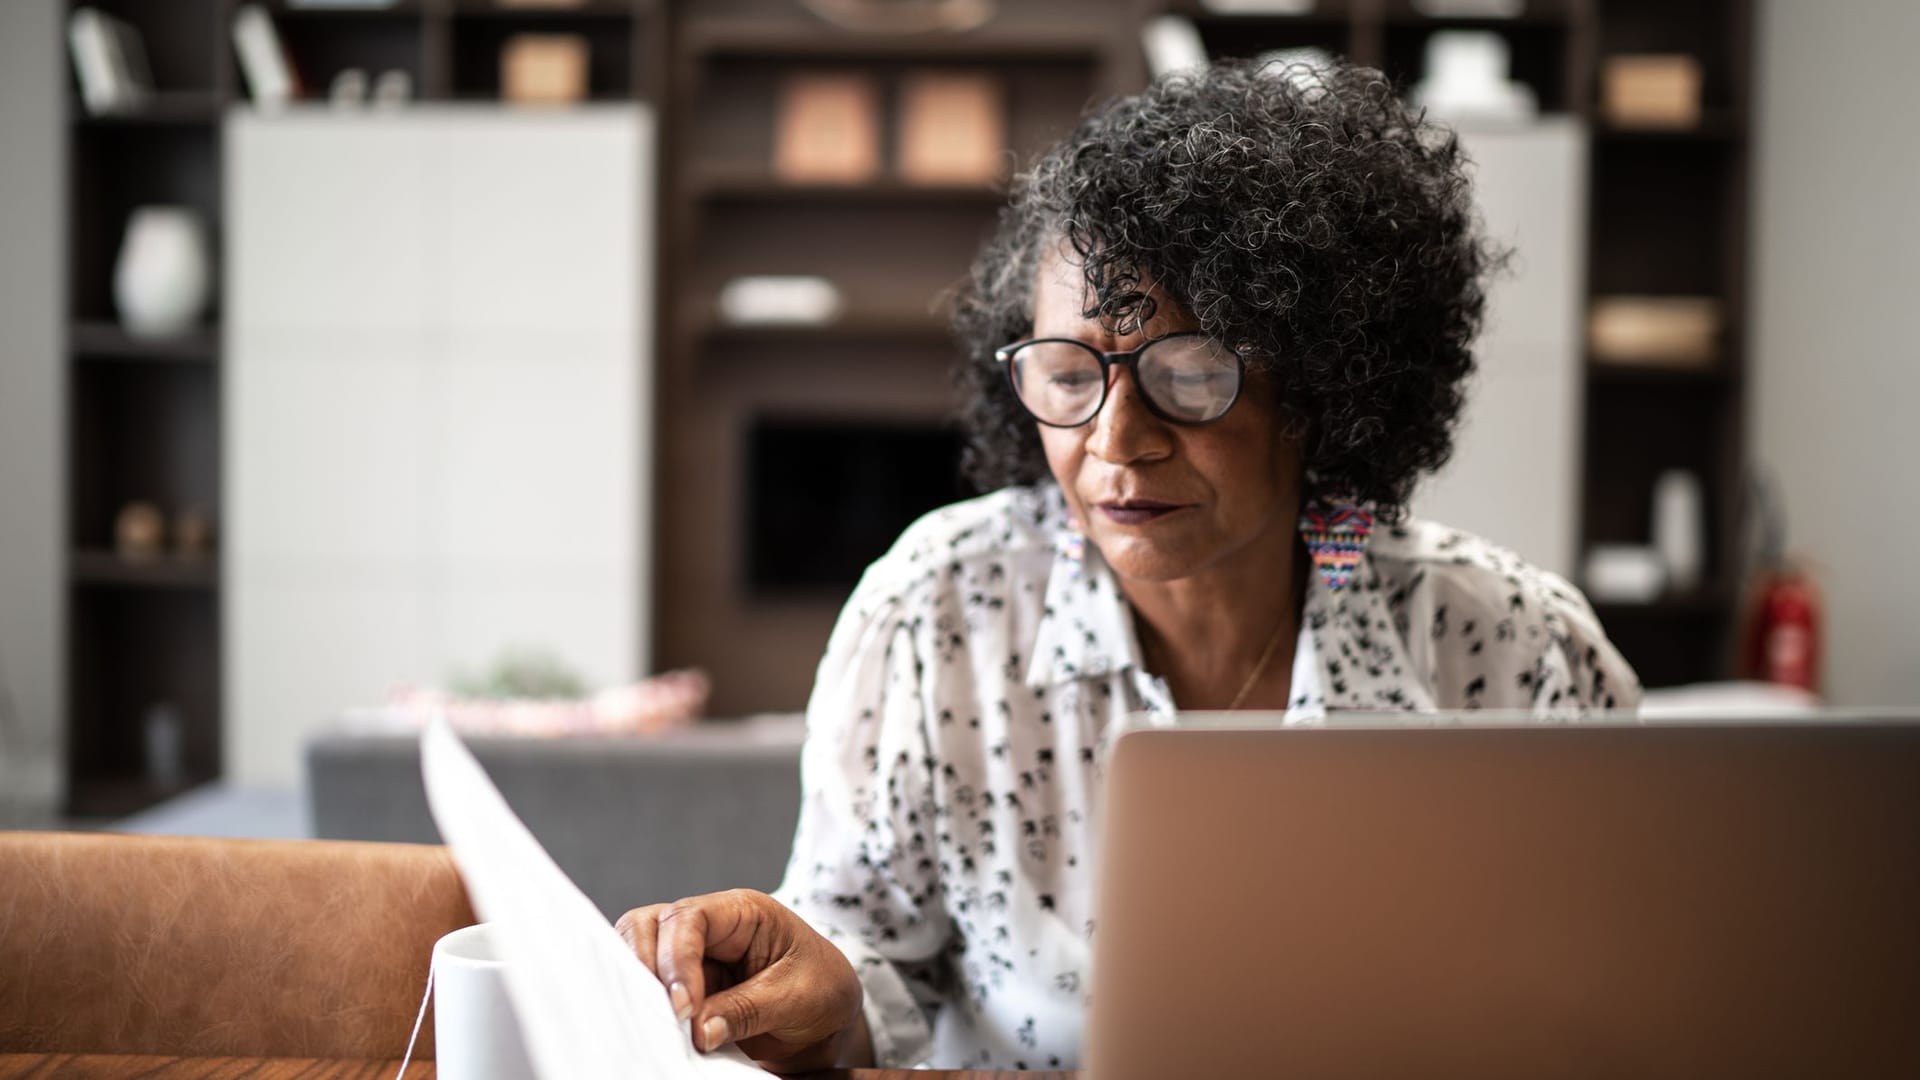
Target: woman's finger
x=680, y=951
x=639, y=928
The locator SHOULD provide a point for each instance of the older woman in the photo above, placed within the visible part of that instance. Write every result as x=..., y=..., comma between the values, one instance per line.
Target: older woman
x=1219, y=335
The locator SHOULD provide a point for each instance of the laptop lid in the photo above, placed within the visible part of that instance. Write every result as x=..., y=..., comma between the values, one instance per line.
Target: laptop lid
x=1618, y=900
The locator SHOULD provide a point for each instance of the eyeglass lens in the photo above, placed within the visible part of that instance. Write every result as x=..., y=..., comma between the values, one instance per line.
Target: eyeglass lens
x=1190, y=378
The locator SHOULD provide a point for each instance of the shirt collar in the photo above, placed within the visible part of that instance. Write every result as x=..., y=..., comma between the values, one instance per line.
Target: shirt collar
x=1086, y=627
x=1086, y=631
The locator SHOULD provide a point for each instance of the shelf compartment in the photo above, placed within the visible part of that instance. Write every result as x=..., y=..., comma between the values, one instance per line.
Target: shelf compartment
x=184, y=41
x=732, y=126
x=862, y=482
x=1662, y=211
x=609, y=36
x=117, y=168
x=131, y=650
x=1707, y=30
x=141, y=432
x=323, y=42
x=1539, y=51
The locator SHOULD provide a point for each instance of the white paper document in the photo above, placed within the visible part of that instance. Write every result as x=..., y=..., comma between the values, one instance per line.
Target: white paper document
x=587, y=1007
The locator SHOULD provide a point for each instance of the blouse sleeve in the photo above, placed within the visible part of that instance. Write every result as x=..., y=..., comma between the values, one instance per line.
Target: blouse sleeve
x=863, y=866
x=1580, y=671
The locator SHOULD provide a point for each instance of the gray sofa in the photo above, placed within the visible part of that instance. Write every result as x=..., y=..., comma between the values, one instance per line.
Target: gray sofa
x=631, y=820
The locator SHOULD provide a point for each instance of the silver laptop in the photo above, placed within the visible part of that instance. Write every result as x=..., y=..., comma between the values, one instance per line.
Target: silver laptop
x=1698, y=900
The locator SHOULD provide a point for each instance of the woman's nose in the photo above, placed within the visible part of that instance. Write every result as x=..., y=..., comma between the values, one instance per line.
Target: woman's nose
x=1125, y=431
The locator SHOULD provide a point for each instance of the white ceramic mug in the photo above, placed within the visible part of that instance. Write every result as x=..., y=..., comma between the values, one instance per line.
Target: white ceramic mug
x=475, y=1033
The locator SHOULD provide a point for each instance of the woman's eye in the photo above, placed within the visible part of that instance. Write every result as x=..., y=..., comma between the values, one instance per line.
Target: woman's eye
x=1073, y=380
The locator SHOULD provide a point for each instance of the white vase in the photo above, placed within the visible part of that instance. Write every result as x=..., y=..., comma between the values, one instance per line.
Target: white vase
x=1679, y=521
x=162, y=281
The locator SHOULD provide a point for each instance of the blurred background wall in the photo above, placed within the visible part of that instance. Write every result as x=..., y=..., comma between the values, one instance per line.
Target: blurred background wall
x=1836, y=373
x=32, y=67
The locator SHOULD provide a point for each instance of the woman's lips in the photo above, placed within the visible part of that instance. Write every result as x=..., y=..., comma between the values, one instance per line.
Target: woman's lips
x=1136, y=511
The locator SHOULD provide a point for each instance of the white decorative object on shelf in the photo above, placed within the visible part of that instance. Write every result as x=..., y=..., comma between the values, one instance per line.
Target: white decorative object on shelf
x=109, y=61
x=1301, y=64
x=1466, y=78
x=779, y=299
x=270, y=80
x=1624, y=574
x=165, y=737
x=1172, y=43
x=164, y=275
x=349, y=88
x=1678, y=519
x=393, y=87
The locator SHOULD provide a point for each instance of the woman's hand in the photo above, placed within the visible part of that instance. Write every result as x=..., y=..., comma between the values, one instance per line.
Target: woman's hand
x=744, y=968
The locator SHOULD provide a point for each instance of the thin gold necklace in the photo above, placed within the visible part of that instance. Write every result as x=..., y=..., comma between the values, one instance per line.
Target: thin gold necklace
x=1254, y=676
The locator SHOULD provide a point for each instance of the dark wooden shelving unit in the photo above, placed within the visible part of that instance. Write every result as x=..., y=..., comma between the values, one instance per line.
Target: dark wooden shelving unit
x=143, y=424
x=1667, y=217
x=874, y=376
x=144, y=414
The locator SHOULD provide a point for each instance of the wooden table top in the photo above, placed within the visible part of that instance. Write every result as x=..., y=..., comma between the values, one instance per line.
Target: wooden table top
x=132, y=1067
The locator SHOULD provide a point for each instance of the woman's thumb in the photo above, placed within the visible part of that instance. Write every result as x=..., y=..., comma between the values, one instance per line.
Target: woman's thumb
x=736, y=1013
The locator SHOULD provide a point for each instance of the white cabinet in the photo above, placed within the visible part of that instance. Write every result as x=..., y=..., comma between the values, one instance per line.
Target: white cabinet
x=438, y=399
x=1515, y=473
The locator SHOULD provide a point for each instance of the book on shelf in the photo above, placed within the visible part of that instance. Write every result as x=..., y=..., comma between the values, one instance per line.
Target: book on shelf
x=109, y=61
x=271, y=78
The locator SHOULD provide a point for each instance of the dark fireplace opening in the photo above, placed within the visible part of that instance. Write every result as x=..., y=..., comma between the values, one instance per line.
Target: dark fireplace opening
x=827, y=497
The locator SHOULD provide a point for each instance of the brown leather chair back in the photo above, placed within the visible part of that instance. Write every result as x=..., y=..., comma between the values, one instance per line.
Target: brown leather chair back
x=254, y=948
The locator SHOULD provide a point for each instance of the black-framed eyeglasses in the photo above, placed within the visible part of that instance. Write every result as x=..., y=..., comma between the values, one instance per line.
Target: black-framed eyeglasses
x=1184, y=378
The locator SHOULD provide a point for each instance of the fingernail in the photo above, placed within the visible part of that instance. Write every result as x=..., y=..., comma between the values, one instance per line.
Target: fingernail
x=682, y=1001
x=716, y=1032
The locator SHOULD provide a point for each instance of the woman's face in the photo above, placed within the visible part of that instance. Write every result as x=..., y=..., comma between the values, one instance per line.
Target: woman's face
x=1164, y=501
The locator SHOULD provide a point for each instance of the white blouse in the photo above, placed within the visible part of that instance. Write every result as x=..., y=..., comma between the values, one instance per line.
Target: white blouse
x=952, y=767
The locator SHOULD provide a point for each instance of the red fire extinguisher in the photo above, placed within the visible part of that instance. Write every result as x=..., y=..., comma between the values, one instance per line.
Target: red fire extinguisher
x=1783, y=629
x=1780, y=642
